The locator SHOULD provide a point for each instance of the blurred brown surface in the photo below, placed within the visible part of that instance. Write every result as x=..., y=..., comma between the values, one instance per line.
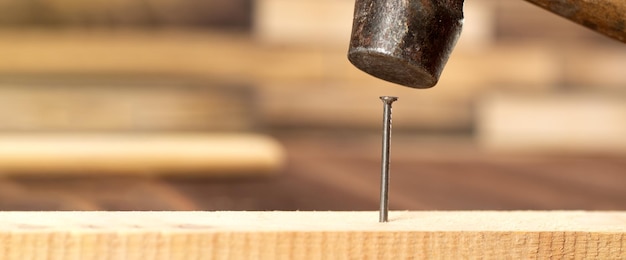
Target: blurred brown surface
x=340, y=171
x=118, y=104
x=134, y=13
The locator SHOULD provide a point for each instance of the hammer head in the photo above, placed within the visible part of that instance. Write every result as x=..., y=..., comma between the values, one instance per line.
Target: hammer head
x=407, y=42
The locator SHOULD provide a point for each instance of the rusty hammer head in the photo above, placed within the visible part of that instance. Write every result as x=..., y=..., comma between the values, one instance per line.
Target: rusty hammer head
x=407, y=42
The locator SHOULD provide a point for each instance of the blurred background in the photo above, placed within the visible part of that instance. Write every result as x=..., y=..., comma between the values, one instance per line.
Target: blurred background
x=253, y=105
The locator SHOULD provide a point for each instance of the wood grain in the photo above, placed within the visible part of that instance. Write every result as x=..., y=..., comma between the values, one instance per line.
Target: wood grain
x=140, y=154
x=312, y=235
x=606, y=16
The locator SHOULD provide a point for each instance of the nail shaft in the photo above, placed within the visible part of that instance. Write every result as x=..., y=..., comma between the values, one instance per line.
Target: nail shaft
x=384, y=183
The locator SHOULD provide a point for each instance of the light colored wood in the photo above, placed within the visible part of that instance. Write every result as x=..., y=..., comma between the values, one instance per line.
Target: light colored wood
x=117, y=13
x=220, y=155
x=125, y=52
x=118, y=104
x=568, y=122
x=313, y=235
x=601, y=68
x=303, y=22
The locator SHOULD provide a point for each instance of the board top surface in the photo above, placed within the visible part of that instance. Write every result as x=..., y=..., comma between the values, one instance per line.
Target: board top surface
x=286, y=221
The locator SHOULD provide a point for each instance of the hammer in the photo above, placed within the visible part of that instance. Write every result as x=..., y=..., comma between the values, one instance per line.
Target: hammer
x=408, y=42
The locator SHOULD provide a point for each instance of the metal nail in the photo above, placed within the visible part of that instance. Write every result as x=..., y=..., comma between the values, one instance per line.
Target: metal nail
x=384, y=183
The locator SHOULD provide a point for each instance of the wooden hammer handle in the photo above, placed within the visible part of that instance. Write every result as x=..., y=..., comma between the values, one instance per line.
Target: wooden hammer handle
x=604, y=16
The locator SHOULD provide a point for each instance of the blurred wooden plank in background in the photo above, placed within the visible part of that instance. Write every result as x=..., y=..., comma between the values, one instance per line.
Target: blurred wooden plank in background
x=81, y=103
x=216, y=155
x=303, y=22
x=125, y=13
x=559, y=123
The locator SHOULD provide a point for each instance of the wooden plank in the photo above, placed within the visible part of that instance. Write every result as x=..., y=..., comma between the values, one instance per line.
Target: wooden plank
x=123, y=104
x=298, y=22
x=126, y=52
x=108, y=14
x=601, y=68
x=574, y=122
x=140, y=154
x=313, y=235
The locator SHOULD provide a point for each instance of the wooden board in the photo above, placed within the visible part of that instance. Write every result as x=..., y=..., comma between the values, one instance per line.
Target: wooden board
x=568, y=122
x=123, y=104
x=298, y=22
x=313, y=235
x=114, y=14
x=140, y=154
